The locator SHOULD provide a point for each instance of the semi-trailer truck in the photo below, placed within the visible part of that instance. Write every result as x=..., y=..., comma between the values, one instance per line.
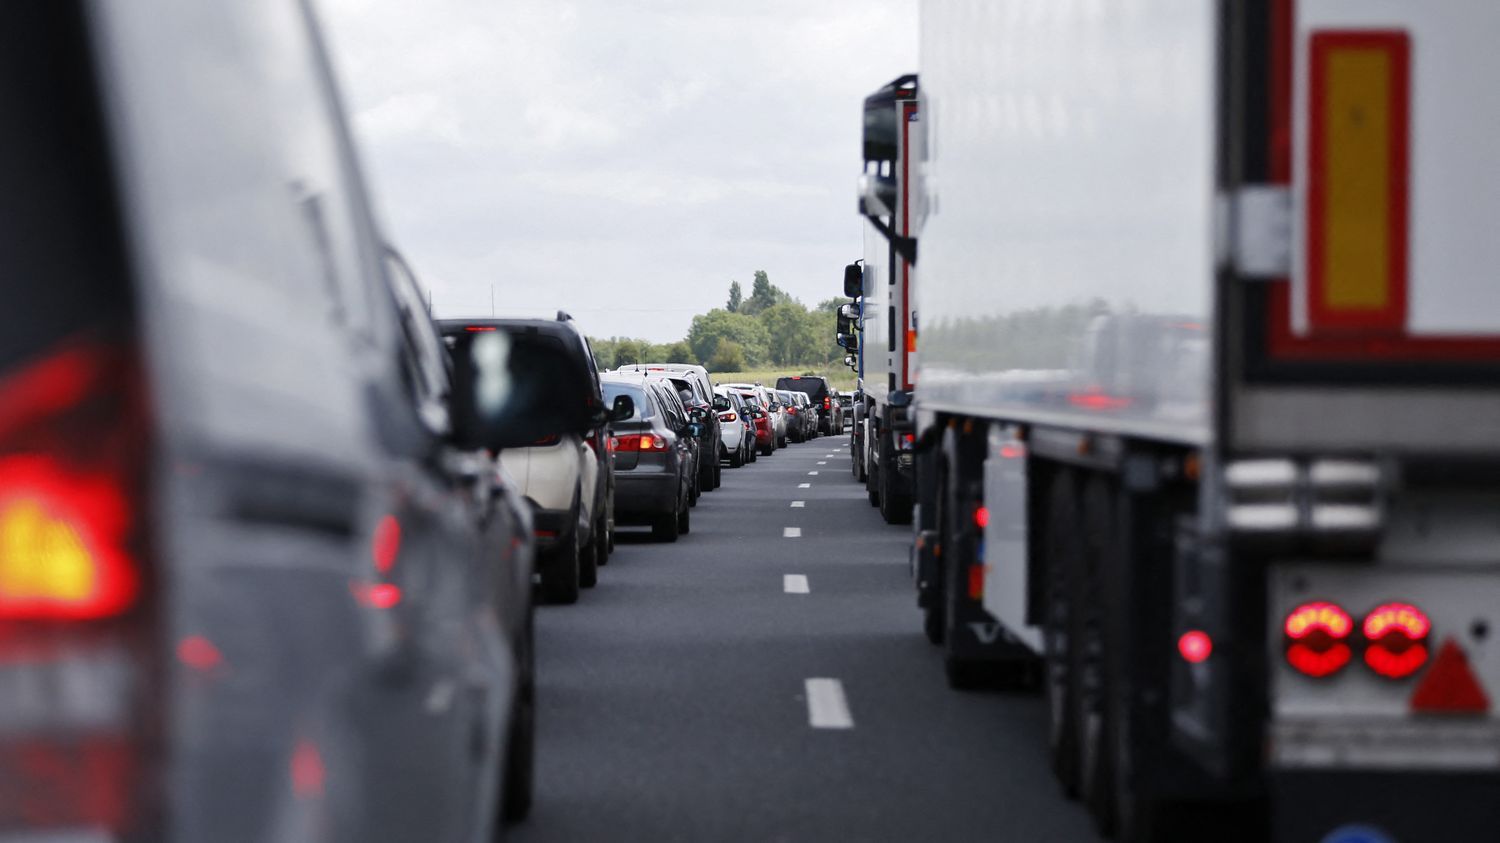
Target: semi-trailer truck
x=1209, y=418
x=881, y=283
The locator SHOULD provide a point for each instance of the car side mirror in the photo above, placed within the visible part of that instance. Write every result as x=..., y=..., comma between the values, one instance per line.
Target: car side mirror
x=695, y=430
x=509, y=392
x=623, y=408
x=721, y=403
x=854, y=280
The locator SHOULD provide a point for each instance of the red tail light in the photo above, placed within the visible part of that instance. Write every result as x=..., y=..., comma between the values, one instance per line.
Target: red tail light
x=70, y=483
x=478, y=329
x=728, y=417
x=976, y=582
x=981, y=517
x=1195, y=646
x=641, y=442
x=1317, y=638
x=827, y=402
x=1397, y=639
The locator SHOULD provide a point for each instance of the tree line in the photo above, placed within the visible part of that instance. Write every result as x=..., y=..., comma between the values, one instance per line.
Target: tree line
x=767, y=328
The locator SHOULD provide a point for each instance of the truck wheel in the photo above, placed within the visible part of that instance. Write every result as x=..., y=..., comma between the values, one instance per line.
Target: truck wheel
x=1095, y=718
x=1058, y=635
x=560, y=580
x=895, y=507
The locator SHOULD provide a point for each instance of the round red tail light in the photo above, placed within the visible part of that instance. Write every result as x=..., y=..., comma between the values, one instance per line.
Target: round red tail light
x=1397, y=639
x=1317, y=638
x=1195, y=646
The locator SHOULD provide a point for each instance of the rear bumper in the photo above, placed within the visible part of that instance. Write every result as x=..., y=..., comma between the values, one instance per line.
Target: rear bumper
x=551, y=526
x=642, y=495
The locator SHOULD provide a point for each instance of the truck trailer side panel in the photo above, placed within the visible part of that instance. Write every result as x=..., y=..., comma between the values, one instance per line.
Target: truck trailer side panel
x=1067, y=202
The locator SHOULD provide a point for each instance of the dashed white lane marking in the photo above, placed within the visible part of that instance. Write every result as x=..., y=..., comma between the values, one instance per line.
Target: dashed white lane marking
x=826, y=706
x=795, y=584
x=804, y=485
x=799, y=504
x=828, y=455
x=822, y=462
x=792, y=533
x=812, y=474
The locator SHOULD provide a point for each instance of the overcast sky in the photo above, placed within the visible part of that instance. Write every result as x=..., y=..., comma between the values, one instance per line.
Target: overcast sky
x=620, y=159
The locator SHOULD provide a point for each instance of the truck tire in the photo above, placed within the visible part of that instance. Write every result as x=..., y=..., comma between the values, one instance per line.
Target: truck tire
x=895, y=506
x=1096, y=716
x=1058, y=631
x=560, y=579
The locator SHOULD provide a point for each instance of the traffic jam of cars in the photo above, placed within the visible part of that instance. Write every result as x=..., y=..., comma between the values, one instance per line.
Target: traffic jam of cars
x=1195, y=472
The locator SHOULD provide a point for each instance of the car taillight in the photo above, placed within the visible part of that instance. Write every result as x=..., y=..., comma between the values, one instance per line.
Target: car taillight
x=1397, y=639
x=546, y=441
x=1195, y=646
x=792, y=410
x=1317, y=636
x=641, y=442
x=74, y=451
x=69, y=482
x=728, y=417
x=827, y=402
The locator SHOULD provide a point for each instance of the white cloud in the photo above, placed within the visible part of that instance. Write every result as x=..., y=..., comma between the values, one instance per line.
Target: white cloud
x=621, y=160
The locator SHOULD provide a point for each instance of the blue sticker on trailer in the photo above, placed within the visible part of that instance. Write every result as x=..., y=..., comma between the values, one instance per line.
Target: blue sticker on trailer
x=1357, y=834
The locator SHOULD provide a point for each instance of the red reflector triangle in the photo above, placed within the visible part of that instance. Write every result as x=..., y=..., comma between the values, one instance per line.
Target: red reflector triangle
x=1450, y=686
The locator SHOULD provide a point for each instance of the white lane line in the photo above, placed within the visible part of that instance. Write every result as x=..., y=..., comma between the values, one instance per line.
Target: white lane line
x=826, y=706
x=799, y=504
x=822, y=462
x=795, y=584
x=828, y=455
x=792, y=533
x=804, y=485
x=812, y=474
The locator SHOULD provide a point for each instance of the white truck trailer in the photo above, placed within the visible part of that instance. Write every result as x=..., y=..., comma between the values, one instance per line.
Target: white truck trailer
x=881, y=285
x=1209, y=418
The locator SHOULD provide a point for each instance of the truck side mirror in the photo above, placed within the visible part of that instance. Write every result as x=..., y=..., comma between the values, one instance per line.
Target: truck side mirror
x=854, y=280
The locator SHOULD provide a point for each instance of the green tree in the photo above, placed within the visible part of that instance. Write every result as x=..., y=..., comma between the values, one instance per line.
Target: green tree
x=631, y=351
x=735, y=297
x=719, y=324
x=792, y=332
x=728, y=356
x=678, y=352
x=763, y=295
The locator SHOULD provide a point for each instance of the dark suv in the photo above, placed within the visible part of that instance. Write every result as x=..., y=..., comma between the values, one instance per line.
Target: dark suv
x=246, y=590
x=824, y=399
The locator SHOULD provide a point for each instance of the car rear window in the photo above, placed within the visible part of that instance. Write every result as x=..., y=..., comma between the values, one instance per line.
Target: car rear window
x=642, y=406
x=815, y=388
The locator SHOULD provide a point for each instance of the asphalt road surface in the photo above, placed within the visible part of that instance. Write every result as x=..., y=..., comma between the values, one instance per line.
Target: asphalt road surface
x=765, y=678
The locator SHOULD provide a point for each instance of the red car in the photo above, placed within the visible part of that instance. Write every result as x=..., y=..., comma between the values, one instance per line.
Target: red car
x=765, y=433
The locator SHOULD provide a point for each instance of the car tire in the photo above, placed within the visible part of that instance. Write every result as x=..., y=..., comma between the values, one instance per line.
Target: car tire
x=520, y=749
x=737, y=458
x=664, y=527
x=718, y=475
x=694, y=492
x=601, y=542
x=684, y=521
x=560, y=579
x=588, y=563
x=766, y=451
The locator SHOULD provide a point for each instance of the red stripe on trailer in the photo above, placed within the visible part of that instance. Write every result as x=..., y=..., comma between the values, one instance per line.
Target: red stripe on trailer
x=907, y=110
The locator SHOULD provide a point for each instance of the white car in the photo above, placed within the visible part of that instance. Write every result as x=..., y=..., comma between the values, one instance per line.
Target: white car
x=771, y=403
x=734, y=436
x=559, y=476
